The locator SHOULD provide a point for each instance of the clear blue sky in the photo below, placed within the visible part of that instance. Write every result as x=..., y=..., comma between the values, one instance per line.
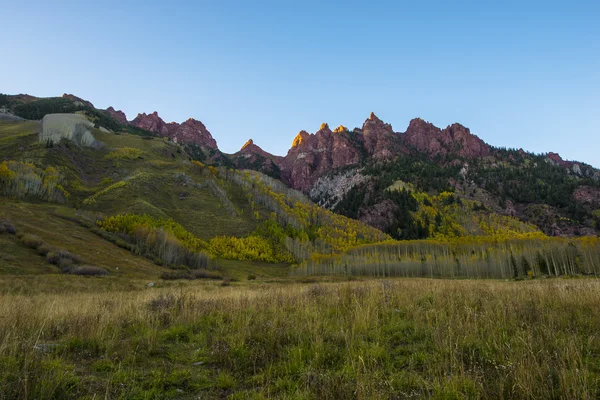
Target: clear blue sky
x=518, y=75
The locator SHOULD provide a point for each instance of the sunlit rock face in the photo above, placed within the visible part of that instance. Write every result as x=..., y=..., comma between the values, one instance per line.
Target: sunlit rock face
x=312, y=155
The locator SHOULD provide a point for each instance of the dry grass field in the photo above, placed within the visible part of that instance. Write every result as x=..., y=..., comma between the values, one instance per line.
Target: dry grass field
x=366, y=339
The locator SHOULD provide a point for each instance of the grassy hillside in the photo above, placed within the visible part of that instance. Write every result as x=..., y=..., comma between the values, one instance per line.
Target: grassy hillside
x=230, y=215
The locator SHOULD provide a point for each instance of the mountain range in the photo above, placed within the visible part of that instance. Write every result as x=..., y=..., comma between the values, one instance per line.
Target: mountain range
x=354, y=171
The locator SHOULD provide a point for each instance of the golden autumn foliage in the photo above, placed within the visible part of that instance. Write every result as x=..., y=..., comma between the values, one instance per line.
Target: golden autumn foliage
x=302, y=220
x=22, y=180
x=130, y=223
x=446, y=216
x=251, y=248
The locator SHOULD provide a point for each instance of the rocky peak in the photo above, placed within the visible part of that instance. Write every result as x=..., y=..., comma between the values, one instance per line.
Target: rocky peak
x=151, y=122
x=324, y=129
x=373, y=117
x=118, y=115
x=340, y=129
x=557, y=159
x=374, y=125
x=249, y=143
x=380, y=141
x=311, y=156
x=300, y=138
x=193, y=131
x=250, y=149
x=454, y=140
x=419, y=125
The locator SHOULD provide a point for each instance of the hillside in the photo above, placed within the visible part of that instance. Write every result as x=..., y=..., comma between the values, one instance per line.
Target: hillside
x=147, y=195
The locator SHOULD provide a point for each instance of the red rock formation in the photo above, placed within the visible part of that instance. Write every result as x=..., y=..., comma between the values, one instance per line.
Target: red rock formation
x=380, y=140
x=313, y=155
x=558, y=160
x=588, y=195
x=454, y=140
x=250, y=148
x=253, y=157
x=192, y=131
x=118, y=115
x=189, y=132
x=151, y=122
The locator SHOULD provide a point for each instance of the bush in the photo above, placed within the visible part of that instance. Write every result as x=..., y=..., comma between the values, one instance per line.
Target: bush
x=45, y=249
x=251, y=277
x=32, y=241
x=63, y=258
x=6, y=226
x=204, y=274
x=163, y=302
x=88, y=270
x=173, y=275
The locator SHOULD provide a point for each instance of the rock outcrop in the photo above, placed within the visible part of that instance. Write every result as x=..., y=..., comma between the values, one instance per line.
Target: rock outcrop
x=380, y=140
x=190, y=132
x=74, y=127
x=117, y=115
x=588, y=195
x=574, y=167
x=455, y=140
x=313, y=155
x=153, y=123
x=253, y=157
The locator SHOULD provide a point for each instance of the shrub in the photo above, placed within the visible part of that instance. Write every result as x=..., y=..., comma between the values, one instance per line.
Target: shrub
x=88, y=270
x=32, y=241
x=251, y=277
x=173, y=275
x=6, y=226
x=63, y=258
x=163, y=302
x=44, y=249
x=205, y=274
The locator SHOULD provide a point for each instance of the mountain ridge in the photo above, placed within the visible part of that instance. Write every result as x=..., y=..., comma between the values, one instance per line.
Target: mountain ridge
x=425, y=157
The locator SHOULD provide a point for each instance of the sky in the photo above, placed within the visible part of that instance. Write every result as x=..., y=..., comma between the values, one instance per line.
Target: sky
x=519, y=74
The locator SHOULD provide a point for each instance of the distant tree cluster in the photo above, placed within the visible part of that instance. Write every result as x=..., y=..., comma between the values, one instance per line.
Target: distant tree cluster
x=4, y=101
x=527, y=255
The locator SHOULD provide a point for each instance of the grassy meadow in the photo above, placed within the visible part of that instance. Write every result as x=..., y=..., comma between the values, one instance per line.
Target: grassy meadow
x=311, y=339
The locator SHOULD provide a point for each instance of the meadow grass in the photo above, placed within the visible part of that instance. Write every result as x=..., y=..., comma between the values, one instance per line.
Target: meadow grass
x=390, y=339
